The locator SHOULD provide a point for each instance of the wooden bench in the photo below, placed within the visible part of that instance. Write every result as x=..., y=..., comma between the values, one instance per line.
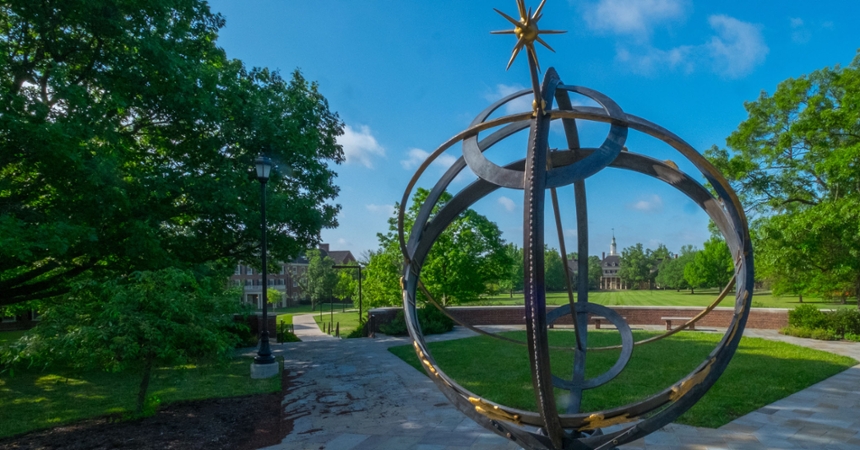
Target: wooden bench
x=598, y=319
x=678, y=319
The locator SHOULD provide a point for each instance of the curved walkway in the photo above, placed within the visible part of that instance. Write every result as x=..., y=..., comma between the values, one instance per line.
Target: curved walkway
x=306, y=328
x=353, y=394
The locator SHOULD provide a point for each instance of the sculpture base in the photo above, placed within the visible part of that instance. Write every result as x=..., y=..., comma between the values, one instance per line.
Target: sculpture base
x=259, y=371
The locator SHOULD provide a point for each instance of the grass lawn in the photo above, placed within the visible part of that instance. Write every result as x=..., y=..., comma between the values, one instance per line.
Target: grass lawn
x=761, y=372
x=704, y=297
x=32, y=400
x=348, y=321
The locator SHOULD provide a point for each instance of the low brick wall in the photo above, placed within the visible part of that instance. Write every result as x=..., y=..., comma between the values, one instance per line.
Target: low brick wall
x=254, y=322
x=759, y=318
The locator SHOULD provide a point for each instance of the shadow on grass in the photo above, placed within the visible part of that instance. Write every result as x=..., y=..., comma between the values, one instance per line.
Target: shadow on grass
x=761, y=372
x=33, y=399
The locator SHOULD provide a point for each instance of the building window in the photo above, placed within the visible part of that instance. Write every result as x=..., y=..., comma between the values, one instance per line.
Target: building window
x=238, y=270
x=9, y=319
x=249, y=271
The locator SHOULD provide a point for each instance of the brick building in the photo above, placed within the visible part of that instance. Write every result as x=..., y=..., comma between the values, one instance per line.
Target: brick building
x=285, y=280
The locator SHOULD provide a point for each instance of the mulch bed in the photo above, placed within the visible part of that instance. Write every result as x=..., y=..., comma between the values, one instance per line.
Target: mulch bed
x=241, y=423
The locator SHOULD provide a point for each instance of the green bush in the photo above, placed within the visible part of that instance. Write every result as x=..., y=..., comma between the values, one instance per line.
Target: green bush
x=807, y=316
x=824, y=335
x=844, y=321
x=796, y=332
x=360, y=331
x=285, y=335
x=432, y=321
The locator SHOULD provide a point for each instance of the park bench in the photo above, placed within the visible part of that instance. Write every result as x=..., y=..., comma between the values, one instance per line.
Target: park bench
x=677, y=319
x=599, y=319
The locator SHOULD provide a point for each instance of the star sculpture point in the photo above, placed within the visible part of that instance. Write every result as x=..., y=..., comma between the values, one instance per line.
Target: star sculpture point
x=526, y=30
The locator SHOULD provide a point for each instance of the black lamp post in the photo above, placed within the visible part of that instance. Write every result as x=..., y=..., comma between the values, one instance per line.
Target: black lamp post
x=264, y=355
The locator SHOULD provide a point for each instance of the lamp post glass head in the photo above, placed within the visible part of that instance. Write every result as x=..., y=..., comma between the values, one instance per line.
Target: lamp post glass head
x=264, y=166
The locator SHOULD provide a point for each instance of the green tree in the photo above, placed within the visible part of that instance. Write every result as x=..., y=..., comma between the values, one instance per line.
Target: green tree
x=513, y=279
x=670, y=274
x=321, y=277
x=137, y=323
x=126, y=140
x=347, y=284
x=466, y=259
x=382, y=277
x=595, y=272
x=794, y=162
x=273, y=296
x=711, y=267
x=636, y=265
x=554, y=271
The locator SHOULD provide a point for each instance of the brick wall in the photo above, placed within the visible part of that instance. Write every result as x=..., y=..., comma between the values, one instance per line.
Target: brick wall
x=759, y=318
x=254, y=322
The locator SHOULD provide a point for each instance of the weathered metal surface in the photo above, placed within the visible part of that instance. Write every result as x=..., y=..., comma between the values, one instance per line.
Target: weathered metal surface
x=543, y=169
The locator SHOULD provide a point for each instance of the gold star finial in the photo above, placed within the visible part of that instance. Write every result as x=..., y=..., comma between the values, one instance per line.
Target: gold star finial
x=526, y=30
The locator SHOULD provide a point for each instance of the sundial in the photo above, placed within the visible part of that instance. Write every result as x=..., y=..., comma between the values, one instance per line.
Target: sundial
x=544, y=170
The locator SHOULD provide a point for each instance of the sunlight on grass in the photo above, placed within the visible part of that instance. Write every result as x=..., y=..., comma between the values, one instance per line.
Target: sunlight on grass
x=35, y=399
x=781, y=369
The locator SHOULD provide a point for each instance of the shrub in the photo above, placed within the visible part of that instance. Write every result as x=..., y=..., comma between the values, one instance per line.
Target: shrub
x=824, y=335
x=844, y=321
x=852, y=337
x=796, y=332
x=360, y=331
x=285, y=335
x=432, y=321
x=807, y=316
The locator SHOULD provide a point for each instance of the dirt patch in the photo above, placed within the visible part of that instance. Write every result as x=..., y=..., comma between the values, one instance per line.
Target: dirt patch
x=241, y=423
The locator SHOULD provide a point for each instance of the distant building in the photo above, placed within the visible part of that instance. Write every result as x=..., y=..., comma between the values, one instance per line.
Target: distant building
x=285, y=280
x=610, y=265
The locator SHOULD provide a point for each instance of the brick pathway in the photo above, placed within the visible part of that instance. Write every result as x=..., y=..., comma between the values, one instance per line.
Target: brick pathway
x=355, y=395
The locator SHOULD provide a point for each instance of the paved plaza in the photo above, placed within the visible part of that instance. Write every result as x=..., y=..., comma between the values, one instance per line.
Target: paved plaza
x=352, y=394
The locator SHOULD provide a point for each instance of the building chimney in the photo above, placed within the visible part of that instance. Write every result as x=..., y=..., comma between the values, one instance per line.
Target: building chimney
x=324, y=247
x=604, y=256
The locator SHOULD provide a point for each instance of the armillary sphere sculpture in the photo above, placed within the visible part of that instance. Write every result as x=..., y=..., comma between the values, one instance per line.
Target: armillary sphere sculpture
x=549, y=169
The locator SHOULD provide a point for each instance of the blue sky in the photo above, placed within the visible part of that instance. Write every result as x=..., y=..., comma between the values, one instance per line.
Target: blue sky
x=405, y=76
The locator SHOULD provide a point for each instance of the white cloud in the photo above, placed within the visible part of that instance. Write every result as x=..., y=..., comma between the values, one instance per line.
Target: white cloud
x=737, y=48
x=800, y=34
x=415, y=157
x=649, y=60
x=517, y=105
x=385, y=209
x=570, y=232
x=632, y=17
x=652, y=203
x=507, y=203
x=359, y=146
x=734, y=51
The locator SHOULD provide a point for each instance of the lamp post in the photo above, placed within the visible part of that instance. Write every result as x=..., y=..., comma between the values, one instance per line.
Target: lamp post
x=264, y=356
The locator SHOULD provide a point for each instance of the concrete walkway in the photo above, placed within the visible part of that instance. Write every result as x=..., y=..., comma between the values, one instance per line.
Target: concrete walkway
x=353, y=394
x=306, y=328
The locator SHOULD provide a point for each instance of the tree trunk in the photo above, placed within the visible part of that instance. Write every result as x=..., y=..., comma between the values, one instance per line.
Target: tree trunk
x=512, y=293
x=800, y=298
x=692, y=290
x=144, y=383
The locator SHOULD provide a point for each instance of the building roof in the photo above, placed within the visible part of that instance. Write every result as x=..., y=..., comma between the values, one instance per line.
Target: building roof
x=341, y=256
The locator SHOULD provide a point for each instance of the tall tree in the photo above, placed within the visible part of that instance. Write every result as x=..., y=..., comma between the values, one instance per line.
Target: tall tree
x=794, y=162
x=321, y=277
x=555, y=276
x=636, y=265
x=126, y=140
x=465, y=260
x=711, y=267
x=513, y=279
x=595, y=271
x=670, y=274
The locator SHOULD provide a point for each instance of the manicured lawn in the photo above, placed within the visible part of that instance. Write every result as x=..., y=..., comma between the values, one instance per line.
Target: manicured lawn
x=499, y=371
x=31, y=400
x=348, y=321
x=704, y=297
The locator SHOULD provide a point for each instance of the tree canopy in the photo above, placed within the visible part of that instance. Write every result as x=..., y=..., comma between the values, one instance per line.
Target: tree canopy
x=321, y=277
x=637, y=265
x=794, y=162
x=126, y=142
x=465, y=260
x=711, y=267
x=670, y=273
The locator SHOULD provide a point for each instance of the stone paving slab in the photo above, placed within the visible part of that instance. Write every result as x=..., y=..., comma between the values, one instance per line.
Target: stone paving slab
x=353, y=394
